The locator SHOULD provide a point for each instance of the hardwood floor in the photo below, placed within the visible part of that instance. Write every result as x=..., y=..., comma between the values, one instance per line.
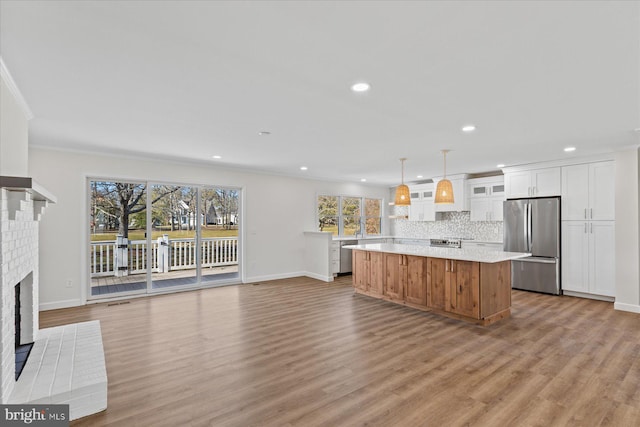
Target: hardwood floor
x=300, y=352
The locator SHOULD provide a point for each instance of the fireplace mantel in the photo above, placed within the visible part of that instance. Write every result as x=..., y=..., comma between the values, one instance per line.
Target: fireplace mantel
x=28, y=185
x=18, y=187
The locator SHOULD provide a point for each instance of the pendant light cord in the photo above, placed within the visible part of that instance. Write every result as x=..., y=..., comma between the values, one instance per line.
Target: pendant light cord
x=444, y=157
x=402, y=163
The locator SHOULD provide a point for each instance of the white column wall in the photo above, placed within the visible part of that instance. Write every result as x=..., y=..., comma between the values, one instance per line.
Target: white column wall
x=14, y=128
x=277, y=210
x=628, y=231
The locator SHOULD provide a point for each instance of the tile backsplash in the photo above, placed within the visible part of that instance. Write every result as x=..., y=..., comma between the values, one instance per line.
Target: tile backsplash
x=449, y=224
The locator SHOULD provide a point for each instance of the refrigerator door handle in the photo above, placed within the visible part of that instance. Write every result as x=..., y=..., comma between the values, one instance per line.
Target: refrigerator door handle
x=525, y=227
x=529, y=227
x=537, y=260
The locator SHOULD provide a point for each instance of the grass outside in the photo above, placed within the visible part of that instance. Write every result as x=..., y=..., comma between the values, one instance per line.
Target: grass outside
x=348, y=231
x=177, y=234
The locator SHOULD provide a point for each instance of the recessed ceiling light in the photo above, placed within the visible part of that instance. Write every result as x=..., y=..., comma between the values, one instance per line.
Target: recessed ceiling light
x=468, y=128
x=361, y=87
x=501, y=165
x=217, y=157
x=419, y=176
x=303, y=168
x=264, y=133
x=570, y=149
x=363, y=179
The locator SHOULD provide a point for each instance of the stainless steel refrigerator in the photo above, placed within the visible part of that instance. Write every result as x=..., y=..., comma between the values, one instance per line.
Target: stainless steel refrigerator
x=533, y=225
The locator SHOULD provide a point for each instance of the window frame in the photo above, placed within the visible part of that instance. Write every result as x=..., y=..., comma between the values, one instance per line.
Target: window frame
x=341, y=216
x=149, y=290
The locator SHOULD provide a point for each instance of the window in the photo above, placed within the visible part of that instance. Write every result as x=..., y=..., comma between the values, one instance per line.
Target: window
x=351, y=216
x=328, y=213
x=342, y=215
x=373, y=216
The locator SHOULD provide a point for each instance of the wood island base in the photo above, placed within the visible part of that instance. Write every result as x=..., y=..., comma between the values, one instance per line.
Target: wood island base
x=472, y=291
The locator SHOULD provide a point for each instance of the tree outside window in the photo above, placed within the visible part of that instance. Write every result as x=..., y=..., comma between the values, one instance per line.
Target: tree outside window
x=351, y=216
x=348, y=216
x=328, y=214
x=373, y=216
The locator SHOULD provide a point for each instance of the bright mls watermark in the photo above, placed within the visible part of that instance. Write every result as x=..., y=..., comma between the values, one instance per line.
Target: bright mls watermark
x=34, y=415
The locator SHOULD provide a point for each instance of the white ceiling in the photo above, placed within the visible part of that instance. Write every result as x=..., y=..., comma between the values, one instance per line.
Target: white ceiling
x=191, y=80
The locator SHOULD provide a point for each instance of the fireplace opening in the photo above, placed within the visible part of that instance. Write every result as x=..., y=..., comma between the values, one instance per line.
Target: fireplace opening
x=22, y=350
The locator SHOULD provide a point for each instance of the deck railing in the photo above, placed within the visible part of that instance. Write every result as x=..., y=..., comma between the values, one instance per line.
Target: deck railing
x=166, y=255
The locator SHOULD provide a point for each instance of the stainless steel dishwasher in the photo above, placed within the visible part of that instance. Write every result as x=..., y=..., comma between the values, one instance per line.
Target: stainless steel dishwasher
x=345, y=256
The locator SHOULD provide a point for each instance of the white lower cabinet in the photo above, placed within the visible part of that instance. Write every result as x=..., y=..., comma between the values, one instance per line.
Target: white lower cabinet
x=335, y=257
x=602, y=248
x=588, y=257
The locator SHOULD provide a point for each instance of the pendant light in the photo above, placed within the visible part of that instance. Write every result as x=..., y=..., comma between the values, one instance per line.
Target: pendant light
x=444, y=190
x=402, y=191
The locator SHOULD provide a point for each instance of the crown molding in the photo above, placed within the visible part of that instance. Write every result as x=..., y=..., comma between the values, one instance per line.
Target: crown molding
x=13, y=88
x=562, y=162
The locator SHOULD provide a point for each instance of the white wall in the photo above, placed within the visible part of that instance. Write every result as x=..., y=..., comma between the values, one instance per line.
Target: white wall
x=14, y=129
x=276, y=213
x=628, y=231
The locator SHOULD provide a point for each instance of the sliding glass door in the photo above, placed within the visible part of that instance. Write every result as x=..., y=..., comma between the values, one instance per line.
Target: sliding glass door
x=158, y=237
x=174, y=229
x=219, y=233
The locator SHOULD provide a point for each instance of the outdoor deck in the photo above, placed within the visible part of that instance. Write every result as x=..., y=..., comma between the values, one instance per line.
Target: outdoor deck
x=137, y=282
x=172, y=262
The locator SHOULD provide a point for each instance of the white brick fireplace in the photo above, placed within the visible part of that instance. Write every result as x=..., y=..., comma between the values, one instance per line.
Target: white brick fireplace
x=66, y=364
x=19, y=216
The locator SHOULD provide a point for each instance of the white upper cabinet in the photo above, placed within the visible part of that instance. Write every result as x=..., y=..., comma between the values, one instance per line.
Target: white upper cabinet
x=486, y=196
x=422, y=207
x=487, y=209
x=588, y=191
x=496, y=209
x=533, y=183
x=575, y=192
x=486, y=187
x=602, y=177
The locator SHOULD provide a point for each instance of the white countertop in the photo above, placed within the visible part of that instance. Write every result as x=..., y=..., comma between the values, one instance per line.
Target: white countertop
x=492, y=242
x=342, y=238
x=476, y=254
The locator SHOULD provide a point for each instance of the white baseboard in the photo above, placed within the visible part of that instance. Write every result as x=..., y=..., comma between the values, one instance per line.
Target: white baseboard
x=60, y=304
x=273, y=277
x=588, y=296
x=627, y=307
x=319, y=276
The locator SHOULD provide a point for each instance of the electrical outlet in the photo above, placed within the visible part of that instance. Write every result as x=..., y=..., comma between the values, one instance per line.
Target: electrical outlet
x=69, y=284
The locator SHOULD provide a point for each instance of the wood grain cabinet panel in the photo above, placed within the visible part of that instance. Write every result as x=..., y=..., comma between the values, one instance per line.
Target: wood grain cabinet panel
x=395, y=273
x=495, y=292
x=436, y=283
x=416, y=292
x=360, y=267
x=463, y=280
x=376, y=273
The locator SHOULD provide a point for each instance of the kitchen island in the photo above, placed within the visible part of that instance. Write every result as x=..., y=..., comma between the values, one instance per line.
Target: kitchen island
x=468, y=284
